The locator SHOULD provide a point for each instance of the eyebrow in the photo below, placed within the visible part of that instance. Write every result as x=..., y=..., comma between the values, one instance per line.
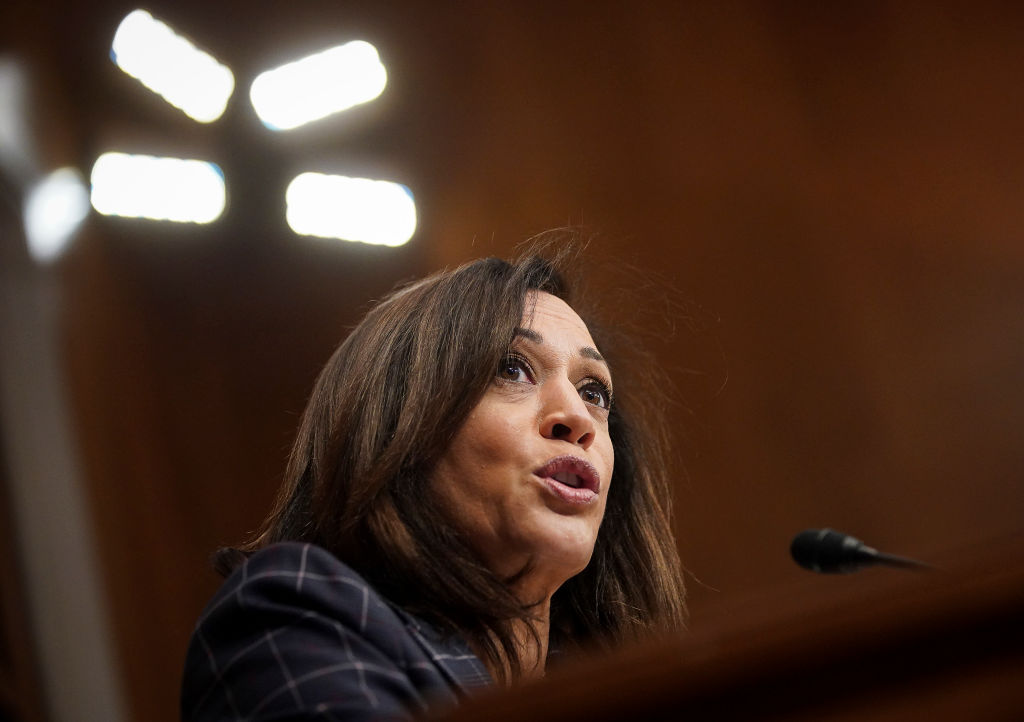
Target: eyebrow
x=586, y=351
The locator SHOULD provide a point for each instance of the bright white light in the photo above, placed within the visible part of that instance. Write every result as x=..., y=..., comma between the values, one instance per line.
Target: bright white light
x=318, y=85
x=54, y=209
x=163, y=189
x=172, y=67
x=352, y=209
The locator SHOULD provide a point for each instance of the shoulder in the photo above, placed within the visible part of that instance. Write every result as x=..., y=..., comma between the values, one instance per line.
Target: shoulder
x=278, y=577
x=296, y=632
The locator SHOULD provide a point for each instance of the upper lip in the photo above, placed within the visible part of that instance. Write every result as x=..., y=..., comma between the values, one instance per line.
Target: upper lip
x=584, y=470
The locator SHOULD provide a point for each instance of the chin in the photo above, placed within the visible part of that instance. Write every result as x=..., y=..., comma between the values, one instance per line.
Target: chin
x=563, y=554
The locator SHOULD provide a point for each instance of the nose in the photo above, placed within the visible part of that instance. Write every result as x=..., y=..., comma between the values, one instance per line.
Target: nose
x=565, y=415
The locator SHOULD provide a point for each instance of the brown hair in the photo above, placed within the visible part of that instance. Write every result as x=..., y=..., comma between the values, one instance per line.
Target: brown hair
x=385, y=409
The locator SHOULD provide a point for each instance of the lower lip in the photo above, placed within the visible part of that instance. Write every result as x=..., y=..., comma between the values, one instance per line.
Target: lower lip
x=568, y=493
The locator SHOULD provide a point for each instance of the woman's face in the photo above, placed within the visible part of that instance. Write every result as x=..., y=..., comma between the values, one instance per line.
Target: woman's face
x=526, y=477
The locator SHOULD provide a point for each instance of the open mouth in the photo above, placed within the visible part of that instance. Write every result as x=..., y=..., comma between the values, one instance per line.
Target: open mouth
x=568, y=478
x=571, y=471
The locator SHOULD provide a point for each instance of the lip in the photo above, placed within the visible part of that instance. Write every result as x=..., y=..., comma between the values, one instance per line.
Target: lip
x=590, y=480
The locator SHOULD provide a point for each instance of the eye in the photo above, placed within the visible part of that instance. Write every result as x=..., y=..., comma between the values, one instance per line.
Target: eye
x=515, y=368
x=596, y=393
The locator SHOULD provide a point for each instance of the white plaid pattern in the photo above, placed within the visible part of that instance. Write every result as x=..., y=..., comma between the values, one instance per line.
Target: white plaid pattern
x=296, y=634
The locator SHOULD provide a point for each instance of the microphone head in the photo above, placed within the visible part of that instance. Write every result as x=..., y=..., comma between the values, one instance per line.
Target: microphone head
x=829, y=552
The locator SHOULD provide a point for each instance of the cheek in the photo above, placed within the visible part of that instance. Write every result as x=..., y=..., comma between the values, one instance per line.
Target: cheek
x=491, y=436
x=607, y=455
x=485, y=445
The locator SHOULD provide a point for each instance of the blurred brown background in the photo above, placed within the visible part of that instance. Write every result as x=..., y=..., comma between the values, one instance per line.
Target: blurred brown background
x=838, y=184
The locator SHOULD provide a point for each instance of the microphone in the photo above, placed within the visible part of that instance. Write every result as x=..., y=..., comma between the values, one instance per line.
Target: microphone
x=827, y=551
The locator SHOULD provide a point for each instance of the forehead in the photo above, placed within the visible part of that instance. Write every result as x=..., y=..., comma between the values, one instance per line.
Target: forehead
x=554, y=319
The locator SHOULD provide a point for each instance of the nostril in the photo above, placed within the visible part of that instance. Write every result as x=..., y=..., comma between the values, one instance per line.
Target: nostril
x=560, y=430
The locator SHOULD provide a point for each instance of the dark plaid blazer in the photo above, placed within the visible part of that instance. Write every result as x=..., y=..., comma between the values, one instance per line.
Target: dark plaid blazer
x=295, y=634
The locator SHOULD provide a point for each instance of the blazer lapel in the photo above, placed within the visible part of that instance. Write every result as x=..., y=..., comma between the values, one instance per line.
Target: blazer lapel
x=452, y=656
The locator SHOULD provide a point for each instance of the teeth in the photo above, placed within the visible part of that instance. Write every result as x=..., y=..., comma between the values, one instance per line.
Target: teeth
x=567, y=478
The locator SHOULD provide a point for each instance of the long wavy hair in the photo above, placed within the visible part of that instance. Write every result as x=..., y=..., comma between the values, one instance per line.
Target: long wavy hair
x=386, y=408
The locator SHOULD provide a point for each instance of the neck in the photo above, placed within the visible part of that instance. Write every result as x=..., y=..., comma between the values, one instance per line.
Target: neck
x=530, y=639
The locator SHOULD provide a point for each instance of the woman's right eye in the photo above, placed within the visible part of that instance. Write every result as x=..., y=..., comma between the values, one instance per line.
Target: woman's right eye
x=514, y=368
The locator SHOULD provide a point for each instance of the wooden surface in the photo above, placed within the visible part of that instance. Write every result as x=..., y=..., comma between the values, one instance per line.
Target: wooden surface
x=891, y=645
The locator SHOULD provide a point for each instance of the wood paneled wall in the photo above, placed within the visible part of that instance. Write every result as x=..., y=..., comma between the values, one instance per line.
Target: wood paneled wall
x=836, y=188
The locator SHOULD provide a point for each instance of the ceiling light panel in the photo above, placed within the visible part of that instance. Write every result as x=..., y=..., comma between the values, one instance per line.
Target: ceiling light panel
x=318, y=85
x=351, y=209
x=172, y=67
x=162, y=189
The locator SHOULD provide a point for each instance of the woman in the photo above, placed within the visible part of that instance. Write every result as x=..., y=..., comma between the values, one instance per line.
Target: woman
x=438, y=525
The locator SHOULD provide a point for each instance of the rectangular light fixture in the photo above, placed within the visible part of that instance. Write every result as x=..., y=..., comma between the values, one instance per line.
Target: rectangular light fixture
x=163, y=189
x=172, y=67
x=352, y=209
x=318, y=85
